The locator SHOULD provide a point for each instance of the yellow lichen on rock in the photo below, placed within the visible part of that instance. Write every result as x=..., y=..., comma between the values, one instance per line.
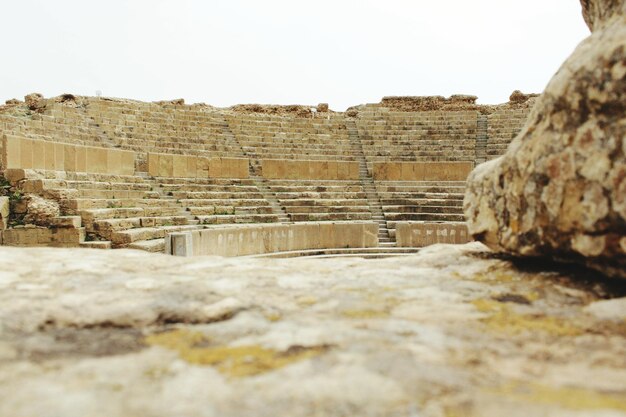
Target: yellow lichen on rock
x=233, y=361
x=566, y=397
x=502, y=319
x=365, y=313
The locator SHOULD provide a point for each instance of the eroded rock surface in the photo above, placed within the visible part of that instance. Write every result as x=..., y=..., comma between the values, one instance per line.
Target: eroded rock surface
x=560, y=190
x=40, y=211
x=448, y=332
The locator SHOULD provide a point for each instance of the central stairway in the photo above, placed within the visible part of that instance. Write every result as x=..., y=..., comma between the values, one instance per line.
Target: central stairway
x=367, y=181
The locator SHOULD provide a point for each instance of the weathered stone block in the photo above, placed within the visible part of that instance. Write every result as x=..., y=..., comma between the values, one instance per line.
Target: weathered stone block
x=26, y=153
x=179, y=166
x=354, y=171
x=114, y=162
x=81, y=159
x=343, y=170
x=59, y=156
x=379, y=171
x=333, y=170
x=324, y=170
x=11, y=152
x=406, y=171
x=242, y=168
x=202, y=167
x=69, y=158
x=192, y=166
x=268, y=168
x=153, y=164
x=215, y=168
x=39, y=154
x=166, y=166
x=302, y=169
x=128, y=163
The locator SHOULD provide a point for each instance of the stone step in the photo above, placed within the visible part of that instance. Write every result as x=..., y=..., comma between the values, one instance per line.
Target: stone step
x=228, y=210
x=105, y=228
x=126, y=237
x=91, y=215
x=435, y=217
x=324, y=203
x=321, y=196
x=313, y=217
x=316, y=188
x=327, y=209
x=113, y=186
x=154, y=245
x=224, y=202
x=78, y=204
x=239, y=219
x=423, y=209
x=115, y=194
x=391, y=224
x=96, y=244
x=387, y=244
x=71, y=222
x=400, y=189
x=209, y=195
x=401, y=202
x=205, y=181
x=208, y=187
x=389, y=250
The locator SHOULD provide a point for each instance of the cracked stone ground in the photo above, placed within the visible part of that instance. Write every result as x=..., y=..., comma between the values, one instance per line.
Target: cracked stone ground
x=452, y=331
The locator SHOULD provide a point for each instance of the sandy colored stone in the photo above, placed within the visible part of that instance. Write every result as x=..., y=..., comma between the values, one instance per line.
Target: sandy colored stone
x=560, y=190
x=34, y=101
x=451, y=331
x=40, y=210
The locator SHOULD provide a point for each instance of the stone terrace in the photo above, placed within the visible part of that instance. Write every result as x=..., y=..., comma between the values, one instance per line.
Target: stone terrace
x=104, y=207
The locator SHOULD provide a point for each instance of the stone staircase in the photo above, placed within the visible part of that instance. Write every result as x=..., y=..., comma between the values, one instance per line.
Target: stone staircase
x=261, y=184
x=367, y=181
x=481, y=139
x=259, y=181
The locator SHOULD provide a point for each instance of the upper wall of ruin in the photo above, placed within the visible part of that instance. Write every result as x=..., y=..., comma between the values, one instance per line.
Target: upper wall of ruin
x=37, y=103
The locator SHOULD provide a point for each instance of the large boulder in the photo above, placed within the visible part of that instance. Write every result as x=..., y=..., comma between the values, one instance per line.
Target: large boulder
x=560, y=190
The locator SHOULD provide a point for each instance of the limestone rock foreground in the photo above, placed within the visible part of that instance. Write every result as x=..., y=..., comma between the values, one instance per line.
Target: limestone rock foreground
x=560, y=190
x=448, y=332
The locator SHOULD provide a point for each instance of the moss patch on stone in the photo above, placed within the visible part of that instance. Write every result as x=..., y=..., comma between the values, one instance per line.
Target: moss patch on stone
x=566, y=397
x=365, y=314
x=502, y=319
x=232, y=361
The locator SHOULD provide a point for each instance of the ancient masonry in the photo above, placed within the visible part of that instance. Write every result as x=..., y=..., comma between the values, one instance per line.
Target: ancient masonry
x=111, y=173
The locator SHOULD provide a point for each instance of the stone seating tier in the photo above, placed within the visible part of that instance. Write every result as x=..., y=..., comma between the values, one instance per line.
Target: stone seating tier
x=281, y=137
x=318, y=200
x=423, y=136
x=127, y=211
x=137, y=211
x=430, y=201
x=503, y=126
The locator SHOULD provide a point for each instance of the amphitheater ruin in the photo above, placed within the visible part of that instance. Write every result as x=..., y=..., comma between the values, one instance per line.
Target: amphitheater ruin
x=528, y=320
x=379, y=178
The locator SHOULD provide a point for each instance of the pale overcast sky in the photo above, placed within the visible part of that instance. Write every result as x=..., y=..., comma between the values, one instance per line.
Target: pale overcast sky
x=344, y=52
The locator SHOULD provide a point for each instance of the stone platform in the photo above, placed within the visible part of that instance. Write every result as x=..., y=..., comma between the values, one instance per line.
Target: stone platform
x=451, y=331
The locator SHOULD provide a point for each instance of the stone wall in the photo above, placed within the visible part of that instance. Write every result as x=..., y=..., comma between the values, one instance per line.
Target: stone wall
x=24, y=153
x=420, y=234
x=186, y=166
x=428, y=128
x=270, y=238
x=60, y=237
x=309, y=170
x=422, y=171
